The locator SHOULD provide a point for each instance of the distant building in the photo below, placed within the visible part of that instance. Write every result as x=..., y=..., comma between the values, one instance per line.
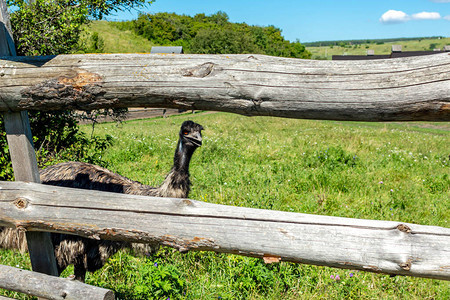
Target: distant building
x=396, y=48
x=395, y=52
x=169, y=49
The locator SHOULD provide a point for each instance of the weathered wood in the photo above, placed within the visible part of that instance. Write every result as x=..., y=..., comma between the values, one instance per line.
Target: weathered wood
x=6, y=40
x=20, y=142
x=376, y=246
x=415, y=88
x=49, y=287
x=25, y=168
x=23, y=157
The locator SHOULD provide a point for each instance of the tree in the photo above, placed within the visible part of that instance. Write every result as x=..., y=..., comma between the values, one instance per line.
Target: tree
x=50, y=27
x=223, y=41
x=213, y=34
x=47, y=27
x=44, y=27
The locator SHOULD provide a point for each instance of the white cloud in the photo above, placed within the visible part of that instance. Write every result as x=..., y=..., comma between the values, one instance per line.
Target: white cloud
x=398, y=16
x=394, y=16
x=426, y=16
x=447, y=18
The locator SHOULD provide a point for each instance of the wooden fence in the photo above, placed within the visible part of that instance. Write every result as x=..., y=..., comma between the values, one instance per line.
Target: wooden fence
x=395, y=90
x=50, y=287
x=409, y=89
x=368, y=245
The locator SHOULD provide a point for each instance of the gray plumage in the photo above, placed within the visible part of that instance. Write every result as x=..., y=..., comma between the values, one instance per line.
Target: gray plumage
x=88, y=254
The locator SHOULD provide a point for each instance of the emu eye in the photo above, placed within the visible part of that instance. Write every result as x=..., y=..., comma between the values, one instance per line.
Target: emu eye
x=185, y=132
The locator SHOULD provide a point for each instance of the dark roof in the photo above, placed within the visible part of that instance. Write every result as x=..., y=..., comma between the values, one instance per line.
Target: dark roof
x=359, y=57
x=169, y=49
x=413, y=53
x=392, y=55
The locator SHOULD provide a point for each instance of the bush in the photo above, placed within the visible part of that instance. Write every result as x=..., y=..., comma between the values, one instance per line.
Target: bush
x=47, y=27
x=6, y=172
x=56, y=137
x=154, y=277
x=213, y=34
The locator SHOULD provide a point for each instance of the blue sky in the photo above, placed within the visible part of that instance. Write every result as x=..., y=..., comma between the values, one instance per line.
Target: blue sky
x=324, y=19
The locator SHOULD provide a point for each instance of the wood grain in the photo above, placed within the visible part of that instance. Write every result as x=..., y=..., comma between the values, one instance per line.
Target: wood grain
x=49, y=287
x=403, y=89
x=369, y=245
x=23, y=157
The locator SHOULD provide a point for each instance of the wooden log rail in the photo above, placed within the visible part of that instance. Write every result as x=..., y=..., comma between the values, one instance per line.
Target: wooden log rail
x=49, y=287
x=23, y=157
x=377, y=246
x=404, y=89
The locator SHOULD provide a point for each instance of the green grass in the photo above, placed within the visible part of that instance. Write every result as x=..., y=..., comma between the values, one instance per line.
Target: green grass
x=116, y=40
x=384, y=171
x=326, y=52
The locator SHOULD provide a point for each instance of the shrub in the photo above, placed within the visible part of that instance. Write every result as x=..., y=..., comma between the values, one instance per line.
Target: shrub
x=56, y=137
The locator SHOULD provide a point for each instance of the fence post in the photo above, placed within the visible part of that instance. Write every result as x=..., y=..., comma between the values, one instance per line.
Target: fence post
x=23, y=158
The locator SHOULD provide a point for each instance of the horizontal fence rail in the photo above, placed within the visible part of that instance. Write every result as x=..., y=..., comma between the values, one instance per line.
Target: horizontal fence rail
x=404, y=89
x=49, y=287
x=378, y=246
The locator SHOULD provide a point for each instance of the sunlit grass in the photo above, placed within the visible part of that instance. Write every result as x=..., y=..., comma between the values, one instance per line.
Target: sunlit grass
x=116, y=40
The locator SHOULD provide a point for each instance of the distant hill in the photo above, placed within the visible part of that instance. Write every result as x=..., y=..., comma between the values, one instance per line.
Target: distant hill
x=110, y=39
x=367, y=41
x=379, y=46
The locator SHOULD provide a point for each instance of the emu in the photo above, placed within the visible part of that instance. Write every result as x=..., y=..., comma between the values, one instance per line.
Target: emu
x=89, y=254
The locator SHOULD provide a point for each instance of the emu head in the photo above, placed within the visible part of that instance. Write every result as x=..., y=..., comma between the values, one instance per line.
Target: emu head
x=191, y=134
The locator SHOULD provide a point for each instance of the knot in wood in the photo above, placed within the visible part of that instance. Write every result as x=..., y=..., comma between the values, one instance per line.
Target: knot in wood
x=184, y=203
x=21, y=202
x=187, y=202
x=406, y=265
x=199, y=71
x=404, y=228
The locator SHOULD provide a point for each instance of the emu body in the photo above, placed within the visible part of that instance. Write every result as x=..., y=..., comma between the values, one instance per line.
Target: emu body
x=88, y=254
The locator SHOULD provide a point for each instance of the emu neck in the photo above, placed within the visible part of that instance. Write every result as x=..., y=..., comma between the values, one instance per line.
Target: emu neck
x=177, y=183
x=182, y=158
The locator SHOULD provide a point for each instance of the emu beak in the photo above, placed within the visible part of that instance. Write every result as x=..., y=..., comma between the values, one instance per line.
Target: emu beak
x=195, y=138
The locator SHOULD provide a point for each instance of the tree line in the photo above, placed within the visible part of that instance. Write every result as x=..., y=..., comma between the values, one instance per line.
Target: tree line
x=212, y=34
x=366, y=41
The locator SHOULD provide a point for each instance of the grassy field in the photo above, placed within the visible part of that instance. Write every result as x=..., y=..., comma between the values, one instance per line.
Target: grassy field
x=384, y=171
x=118, y=41
x=326, y=52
